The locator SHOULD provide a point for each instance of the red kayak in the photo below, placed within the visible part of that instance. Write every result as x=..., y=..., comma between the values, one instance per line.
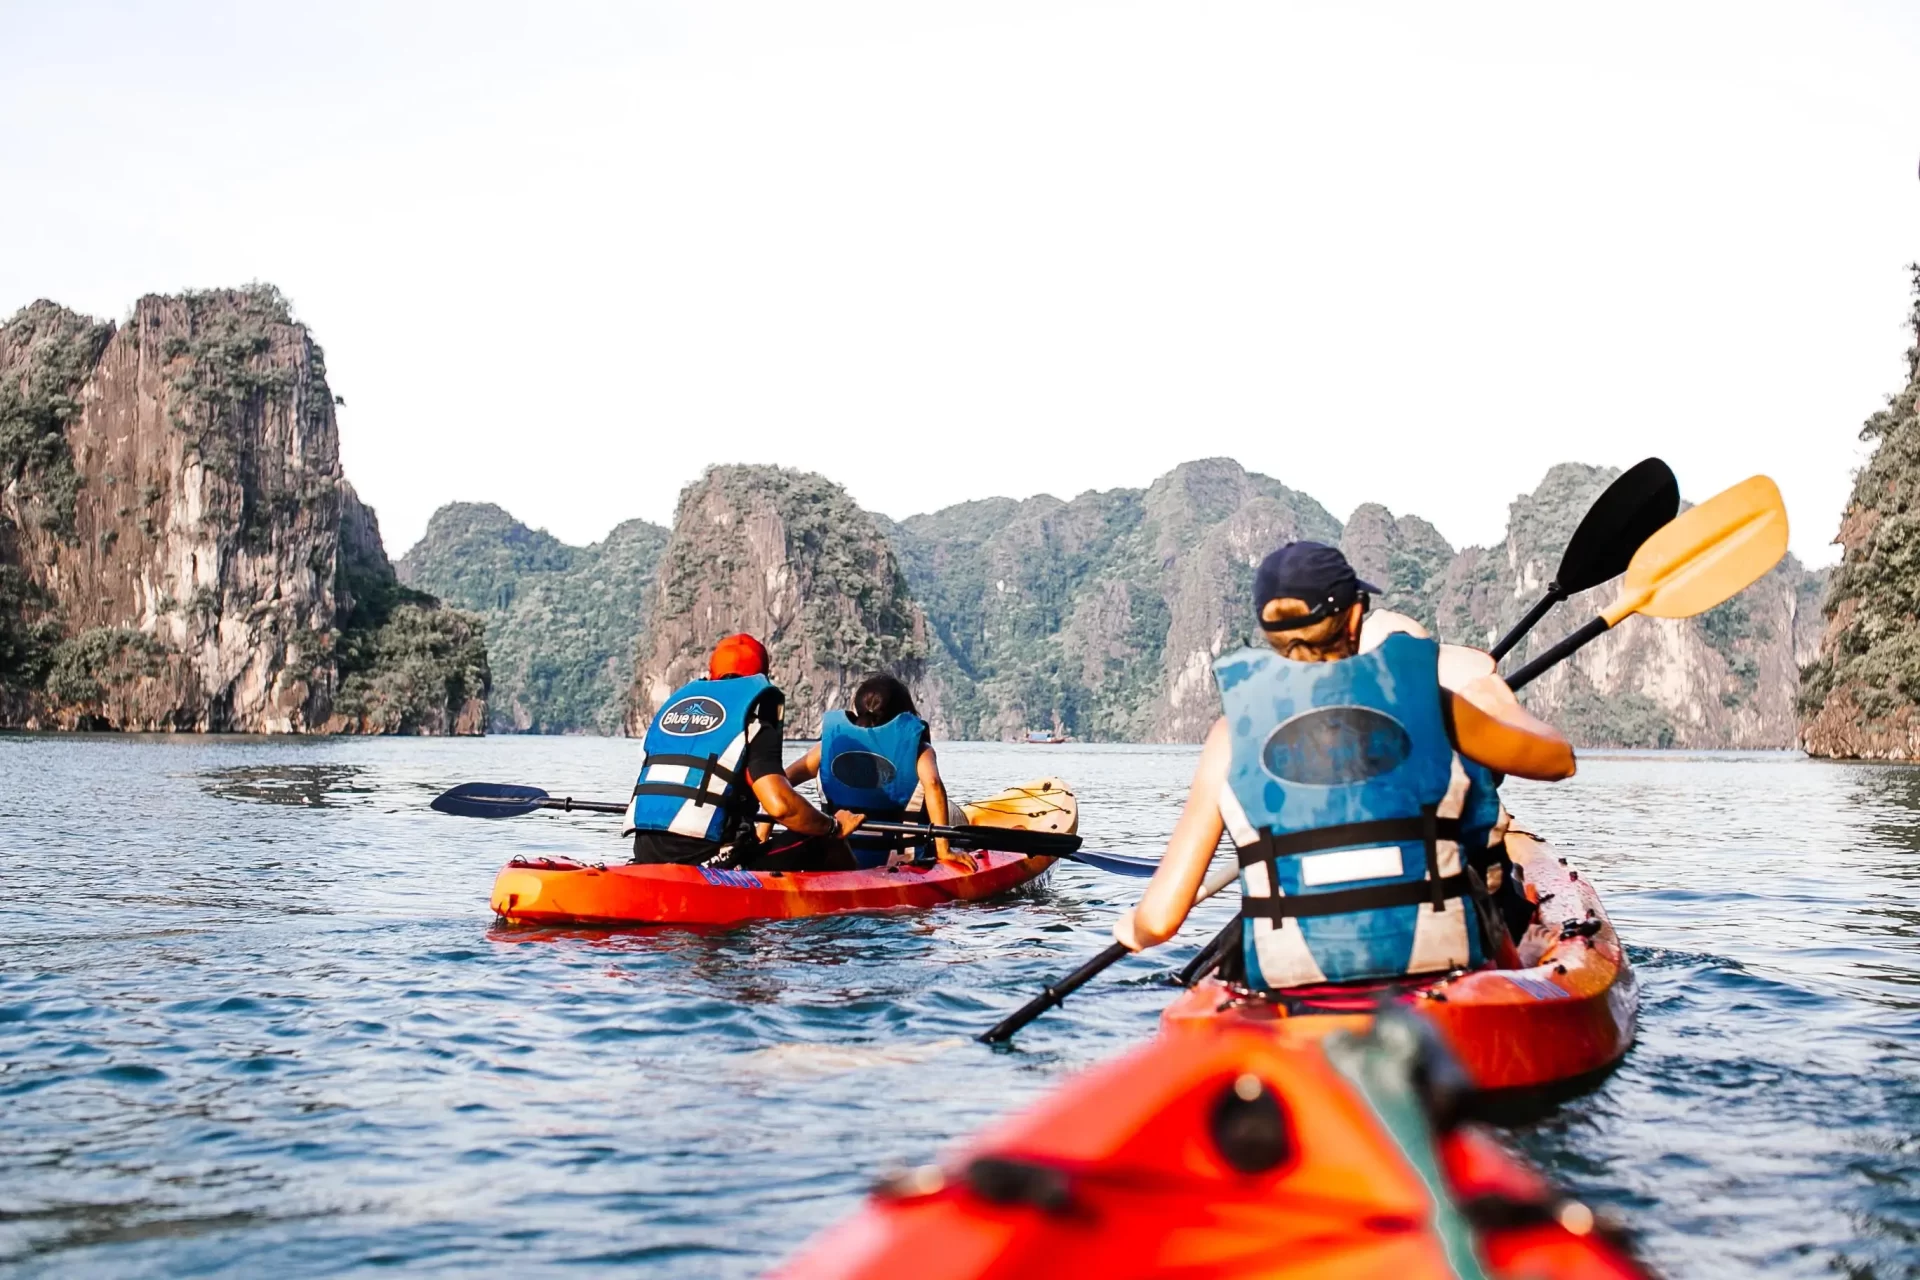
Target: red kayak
x=1237, y=1153
x=561, y=891
x=1562, y=1018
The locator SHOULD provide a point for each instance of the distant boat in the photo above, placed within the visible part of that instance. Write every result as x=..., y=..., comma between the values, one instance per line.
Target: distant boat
x=1045, y=738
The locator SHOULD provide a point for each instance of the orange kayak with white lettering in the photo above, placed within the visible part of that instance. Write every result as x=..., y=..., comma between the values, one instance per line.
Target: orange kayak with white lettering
x=553, y=891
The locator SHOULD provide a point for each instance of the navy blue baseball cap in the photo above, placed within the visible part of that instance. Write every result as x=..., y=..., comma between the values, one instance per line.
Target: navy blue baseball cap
x=1312, y=573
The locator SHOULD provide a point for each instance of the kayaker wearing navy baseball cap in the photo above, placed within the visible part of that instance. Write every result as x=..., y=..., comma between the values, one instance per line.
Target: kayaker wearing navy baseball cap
x=1318, y=577
x=712, y=759
x=1351, y=782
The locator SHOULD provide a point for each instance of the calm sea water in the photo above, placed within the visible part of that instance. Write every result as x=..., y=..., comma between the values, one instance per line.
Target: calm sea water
x=254, y=1015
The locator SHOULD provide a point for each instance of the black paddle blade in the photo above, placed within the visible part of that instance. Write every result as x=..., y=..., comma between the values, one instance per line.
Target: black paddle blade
x=489, y=800
x=1634, y=507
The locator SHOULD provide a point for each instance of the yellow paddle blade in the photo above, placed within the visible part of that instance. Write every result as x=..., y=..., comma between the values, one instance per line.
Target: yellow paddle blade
x=1707, y=555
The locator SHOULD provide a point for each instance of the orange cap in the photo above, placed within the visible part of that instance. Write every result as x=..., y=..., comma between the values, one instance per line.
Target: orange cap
x=737, y=655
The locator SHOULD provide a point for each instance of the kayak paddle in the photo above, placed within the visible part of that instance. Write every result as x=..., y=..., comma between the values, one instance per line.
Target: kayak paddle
x=1640, y=501
x=1008, y=1027
x=1699, y=560
x=506, y=800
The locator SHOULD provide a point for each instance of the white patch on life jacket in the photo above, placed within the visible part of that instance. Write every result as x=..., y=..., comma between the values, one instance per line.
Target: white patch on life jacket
x=1380, y=863
x=694, y=818
x=1440, y=938
x=1279, y=948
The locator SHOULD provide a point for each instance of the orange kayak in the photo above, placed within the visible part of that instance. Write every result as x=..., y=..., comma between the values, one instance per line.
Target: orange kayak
x=1566, y=1016
x=1239, y=1153
x=555, y=891
x=561, y=891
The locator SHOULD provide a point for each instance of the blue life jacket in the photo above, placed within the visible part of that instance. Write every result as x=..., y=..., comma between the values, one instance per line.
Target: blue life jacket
x=691, y=782
x=1345, y=798
x=874, y=771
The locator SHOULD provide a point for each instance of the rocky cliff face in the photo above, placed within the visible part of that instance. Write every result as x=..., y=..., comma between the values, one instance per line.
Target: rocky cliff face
x=1862, y=687
x=1728, y=678
x=179, y=547
x=561, y=621
x=1099, y=615
x=788, y=557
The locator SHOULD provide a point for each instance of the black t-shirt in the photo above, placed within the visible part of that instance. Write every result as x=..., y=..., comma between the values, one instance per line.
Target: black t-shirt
x=765, y=728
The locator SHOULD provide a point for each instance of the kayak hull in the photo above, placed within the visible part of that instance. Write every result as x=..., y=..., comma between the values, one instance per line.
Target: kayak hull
x=563, y=892
x=559, y=892
x=1565, y=1017
x=1127, y=1172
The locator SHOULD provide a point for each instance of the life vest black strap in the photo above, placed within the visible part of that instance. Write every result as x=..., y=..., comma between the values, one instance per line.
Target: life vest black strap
x=1268, y=847
x=709, y=767
x=1339, y=902
x=1427, y=831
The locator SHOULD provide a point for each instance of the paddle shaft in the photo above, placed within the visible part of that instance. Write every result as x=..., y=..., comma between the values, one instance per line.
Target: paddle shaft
x=1553, y=597
x=1055, y=995
x=1560, y=652
x=567, y=804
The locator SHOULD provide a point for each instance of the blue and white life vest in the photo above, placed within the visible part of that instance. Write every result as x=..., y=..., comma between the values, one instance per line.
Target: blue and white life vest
x=691, y=782
x=874, y=771
x=1344, y=797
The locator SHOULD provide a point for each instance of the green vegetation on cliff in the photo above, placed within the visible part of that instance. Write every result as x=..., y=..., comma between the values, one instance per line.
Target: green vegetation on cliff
x=46, y=354
x=790, y=557
x=405, y=663
x=1861, y=692
x=1079, y=611
x=561, y=621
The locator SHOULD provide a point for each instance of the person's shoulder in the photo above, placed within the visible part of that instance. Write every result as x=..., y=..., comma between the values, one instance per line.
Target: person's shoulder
x=770, y=706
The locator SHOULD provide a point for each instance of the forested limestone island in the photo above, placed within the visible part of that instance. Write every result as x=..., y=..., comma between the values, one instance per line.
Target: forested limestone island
x=1860, y=693
x=179, y=549
x=1102, y=614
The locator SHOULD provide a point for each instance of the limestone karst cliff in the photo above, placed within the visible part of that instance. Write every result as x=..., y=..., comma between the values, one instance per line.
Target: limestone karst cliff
x=1101, y=615
x=789, y=557
x=1103, y=612
x=179, y=548
x=1861, y=694
x=562, y=621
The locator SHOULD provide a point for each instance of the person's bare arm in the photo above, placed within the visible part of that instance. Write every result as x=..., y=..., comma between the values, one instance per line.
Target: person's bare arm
x=806, y=768
x=1169, y=896
x=1490, y=726
x=933, y=790
x=790, y=809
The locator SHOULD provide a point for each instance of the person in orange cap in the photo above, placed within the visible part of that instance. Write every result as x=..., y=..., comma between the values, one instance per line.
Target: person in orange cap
x=712, y=760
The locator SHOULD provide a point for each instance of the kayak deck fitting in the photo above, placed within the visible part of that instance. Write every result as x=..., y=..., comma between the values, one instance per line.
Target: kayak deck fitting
x=561, y=891
x=1565, y=1018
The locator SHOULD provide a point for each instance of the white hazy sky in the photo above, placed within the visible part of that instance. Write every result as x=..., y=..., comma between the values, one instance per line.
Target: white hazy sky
x=563, y=256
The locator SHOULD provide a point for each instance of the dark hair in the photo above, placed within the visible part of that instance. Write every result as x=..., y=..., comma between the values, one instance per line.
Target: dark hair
x=879, y=699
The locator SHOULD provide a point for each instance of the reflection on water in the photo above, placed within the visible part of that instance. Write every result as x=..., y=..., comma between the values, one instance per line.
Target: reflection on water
x=271, y=1024
x=312, y=785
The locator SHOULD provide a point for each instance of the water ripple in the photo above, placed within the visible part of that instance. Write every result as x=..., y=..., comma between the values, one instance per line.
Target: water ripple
x=271, y=1025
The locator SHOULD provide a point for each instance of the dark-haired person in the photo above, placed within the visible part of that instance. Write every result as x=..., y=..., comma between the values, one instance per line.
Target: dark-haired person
x=712, y=759
x=1357, y=789
x=875, y=759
